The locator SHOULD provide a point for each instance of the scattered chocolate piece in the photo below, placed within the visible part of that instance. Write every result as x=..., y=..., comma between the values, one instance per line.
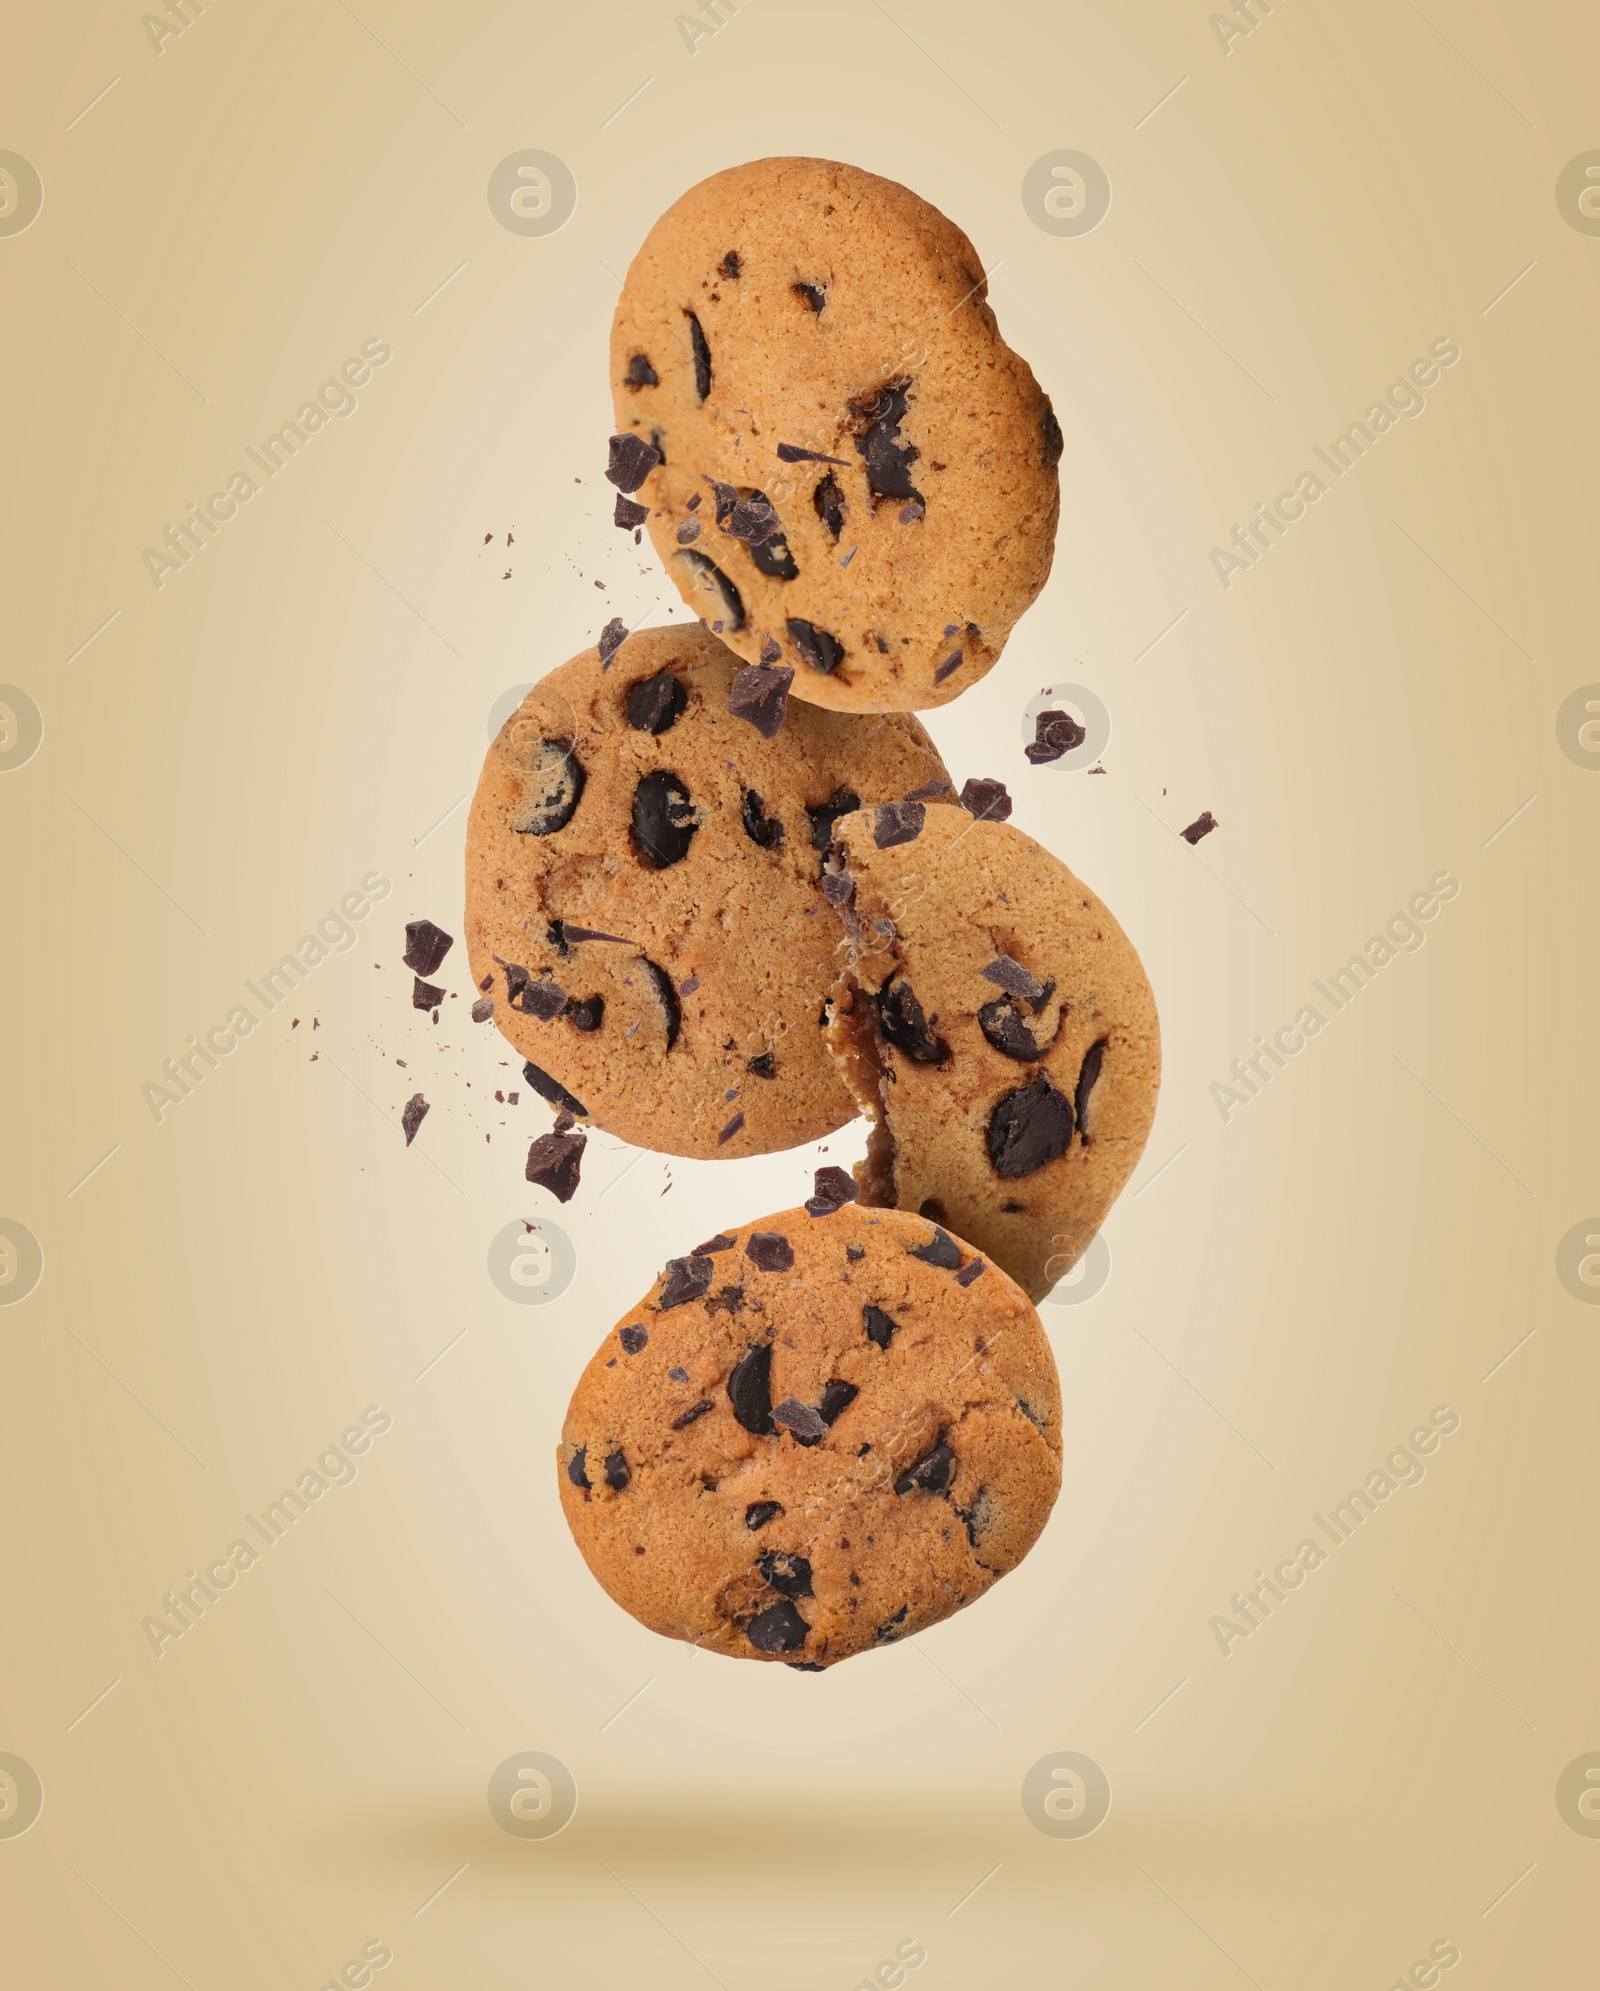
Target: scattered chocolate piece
x=879, y=1325
x=1202, y=825
x=633, y=1339
x=688, y=985
x=778, y=1629
x=688, y=532
x=822, y=651
x=540, y=997
x=901, y=1019
x=763, y=1065
x=854, y=1251
x=612, y=638
x=888, y=459
x=685, y=1279
x=941, y=1250
x=931, y=1474
x=1013, y=978
x=627, y=514
x=897, y=822
x=640, y=372
x=760, y=694
x=708, y=577
x=812, y=294
x=551, y=1089
x=1088, y=1072
x=788, y=1574
x=827, y=501
x=577, y=1466
x=483, y=1009
x=753, y=519
x=617, y=1474
x=799, y=1418
x=576, y=933
x=832, y=1189
x=838, y=887
x=973, y=1270
x=1028, y=1128
x=909, y=514
x=1054, y=734
x=664, y=819
x=632, y=460
x=886, y=928
x=689, y=1416
x=823, y=817
x=731, y=1129
x=750, y=1389
x=789, y=452
x=488, y=980
x=653, y=704
x=771, y=1251
x=551, y=790
x=564, y=1122
x=425, y=995
x=730, y=266
x=416, y=1111
x=588, y=1014
x=426, y=946
x=723, y=1241
x=930, y=791
x=702, y=356
x=553, y=1162
x=760, y=1512
x=677, y=1374
x=759, y=827
x=989, y=801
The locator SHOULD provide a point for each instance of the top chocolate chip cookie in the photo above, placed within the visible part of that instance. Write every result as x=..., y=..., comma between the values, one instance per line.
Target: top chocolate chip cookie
x=848, y=470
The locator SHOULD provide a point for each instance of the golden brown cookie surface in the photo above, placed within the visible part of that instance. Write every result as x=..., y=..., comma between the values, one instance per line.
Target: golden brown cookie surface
x=858, y=475
x=816, y=1434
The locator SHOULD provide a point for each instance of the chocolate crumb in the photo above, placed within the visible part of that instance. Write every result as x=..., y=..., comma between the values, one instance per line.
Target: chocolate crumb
x=416, y=1111
x=731, y=1129
x=1202, y=825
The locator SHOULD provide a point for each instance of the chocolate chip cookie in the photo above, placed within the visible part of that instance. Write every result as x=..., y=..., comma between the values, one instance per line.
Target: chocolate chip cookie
x=816, y=1434
x=847, y=468
x=642, y=907
x=996, y=1023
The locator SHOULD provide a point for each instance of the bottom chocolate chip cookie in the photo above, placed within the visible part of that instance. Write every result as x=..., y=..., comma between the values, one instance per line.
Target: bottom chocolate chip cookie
x=816, y=1434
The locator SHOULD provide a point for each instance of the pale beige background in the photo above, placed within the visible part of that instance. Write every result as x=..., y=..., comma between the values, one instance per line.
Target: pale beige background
x=1368, y=1774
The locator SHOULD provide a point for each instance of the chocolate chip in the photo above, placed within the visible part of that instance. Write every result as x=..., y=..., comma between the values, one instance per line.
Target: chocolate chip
x=888, y=459
x=688, y=532
x=854, y=1251
x=838, y=887
x=640, y=373
x=763, y=1065
x=941, y=1250
x=1013, y=978
x=973, y=1269
x=483, y=1009
x=633, y=1339
x=612, y=638
x=425, y=995
x=1053, y=443
x=664, y=819
x=988, y=800
x=769, y=548
x=542, y=998
x=897, y=822
x=1088, y=1072
x=760, y=1512
x=685, y=1279
x=760, y=694
x=1054, y=734
x=617, y=1474
x=551, y=790
x=931, y=1474
x=677, y=1375
x=1202, y=825
x=758, y=826
x=702, y=356
x=707, y=576
x=586, y=1015
x=880, y=1326
x=557, y=938
x=771, y=1251
x=842, y=802
x=730, y=266
x=909, y=514
x=889, y=1631
x=1028, y=1128
x=667, y=996
x=901, y=1019
x=627, y=514
x=949, y=667
x=827, y=499
x=728, y=1300
x=578, y=1466
x=788, y=1574
x=426, y=946
x=1002, y=1023
x=632, y=460
x=821, y=651
x=655, y=703
x=799, y=1418
x=551, y=1089
x=778, y=1629
x=688, y=985
x=753, y=519
x=750, y=1389
x=833, y=1188
x=416, y=1111
x=812, y=294
x=553, y=1163
x=790, y=452
x=835, y=1399
x=723, y=1241
x=732, y=1128
x=689, y=1416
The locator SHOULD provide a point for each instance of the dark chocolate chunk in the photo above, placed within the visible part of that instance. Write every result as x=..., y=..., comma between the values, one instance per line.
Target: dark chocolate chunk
x=551, y=1089
x=426, y=946
x=667, y=996
x=627, y=514
x=988, y=800
x=664, y=819
x=1054, y=734
x=1202, y=825
x=823, y=817
x=880, y=1326
x=1002, y=1023
x=578, y=1466
x=557, y=938
x=770, y=1251
x=827, y=499
x=576, y=933
x=931, y=1474
x=689, y=1416
x=855, y=1251
x=553, y=1162
x=640, y=373
x=483, y=1009
x=617, y=1474
x=763, y=1065
x=788, y=1574
x=540, y=997
x=709, y=578
x=838, y=887
x=564, y=1122
x=723, y=1241
x=586, y=1015
x=888, y=459
x=1013, y=978
x=821, y=651
x=685, y=1279
x=1088, y=1072
x=759, y=827
x=760, y=693
x=425, y=995
x=754, y=519
x=688, y=532
x=801, y=1419
x=897, y=822
x=760, y=1512
x=901, y=1019
x=632, y=460
x=653, y=704
x=730, y=266
x=941, y=1250
x=949, y=667
x=1053, y=442
x=791, y=452
x=1028, y=1128
x=702, y=356
x=550, y=790
x=770, y=653
x=732, y=1128
x=632, y=1339
x=889, y=1631
x=930, y=791
x=812, y=294
x=750, y=1388
x=833, y=1188
x=688, y=985
x=778, y=1629
x=416, y=1111
x=973, y=1269
x=835, y=1399
x=910, y=513
x=612, y=638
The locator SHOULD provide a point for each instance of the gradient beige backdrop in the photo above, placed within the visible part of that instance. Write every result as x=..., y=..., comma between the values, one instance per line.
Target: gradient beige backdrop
x=1372, y=1772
